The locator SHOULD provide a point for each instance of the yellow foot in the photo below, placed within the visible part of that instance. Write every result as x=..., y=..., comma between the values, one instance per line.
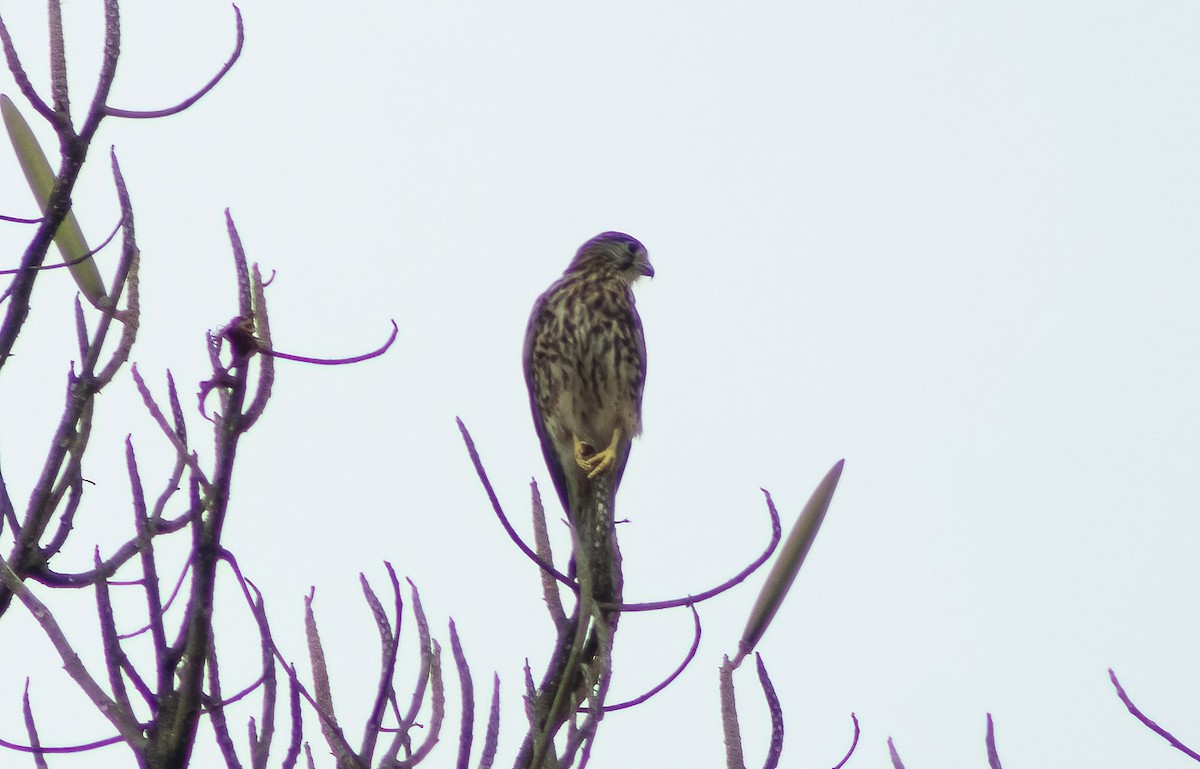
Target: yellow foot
x=596, y=462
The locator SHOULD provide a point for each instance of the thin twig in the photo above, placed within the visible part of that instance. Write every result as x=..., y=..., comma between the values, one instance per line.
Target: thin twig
x=990, y=740
x=180, y=107
x=339, y=361
x=687, y=660
x=853, y=744
x=512, y=533
x=773, y=707
x=491, y=737
x=130, y=730
x=389, y=643
x=1151, y=725
x=466, y=733
x=35, y=743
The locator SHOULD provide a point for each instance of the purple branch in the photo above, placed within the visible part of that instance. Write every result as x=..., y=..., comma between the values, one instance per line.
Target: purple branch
x=669, y=679
x=1139, y=715
x=776, y=534
x=143, y=114
x=853, y=744
x=512, y=533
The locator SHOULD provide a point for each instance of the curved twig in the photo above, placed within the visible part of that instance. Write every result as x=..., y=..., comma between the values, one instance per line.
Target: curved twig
x=65, y=263
x=242, y=694
x=120, y=556
x=19, y=219
x=776, y=534
x=853, y=743
x=187, y=566
x=1151, y=725
x=81, y=748
x=776, y=715
x=512, y=533
x=181, y=106
x=687, y=660
x=339, y=361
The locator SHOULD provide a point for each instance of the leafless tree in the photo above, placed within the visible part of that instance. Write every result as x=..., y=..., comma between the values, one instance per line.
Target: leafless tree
x=155, y=702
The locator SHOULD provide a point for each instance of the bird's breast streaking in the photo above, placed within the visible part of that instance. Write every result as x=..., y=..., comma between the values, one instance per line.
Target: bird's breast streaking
x=585, y=364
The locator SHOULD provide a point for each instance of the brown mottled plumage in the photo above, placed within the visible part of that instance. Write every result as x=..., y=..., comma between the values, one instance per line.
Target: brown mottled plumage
x=585, y=365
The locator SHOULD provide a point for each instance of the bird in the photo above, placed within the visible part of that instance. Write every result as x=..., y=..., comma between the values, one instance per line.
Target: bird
x=585, y=367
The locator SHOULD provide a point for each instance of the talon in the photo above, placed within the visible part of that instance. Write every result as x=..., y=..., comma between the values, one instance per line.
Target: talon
x=583, y=453
x=596, y=462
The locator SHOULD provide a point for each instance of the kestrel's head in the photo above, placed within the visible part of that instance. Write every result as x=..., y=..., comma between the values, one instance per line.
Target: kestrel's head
x=613, y=252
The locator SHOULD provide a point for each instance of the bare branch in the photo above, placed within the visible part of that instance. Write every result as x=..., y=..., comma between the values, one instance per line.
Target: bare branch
x=491, y=737
x=437, y=707
x=126, y=276
x=266, y=374
x=22, y=79
x=389, y=643
x=68, y=263
x=143, y=114
x=729, y=719
x=339, y=361
x=487, y=486
x=853, y=744
x=687, y=660
x=7, y=511
x=113, y=654
x=145, y=540
x=1171, y=739
x=216, y=713
x=466, y=733
x=541, y=540
x=130, y=730
x=293, y=751
x=58, y=62
x=323, y=692
x=776, y=712
x=260, y=749
x=35, y=744
x=990, y=740
x=176, y=440
x=776, y=535
x=108, y=71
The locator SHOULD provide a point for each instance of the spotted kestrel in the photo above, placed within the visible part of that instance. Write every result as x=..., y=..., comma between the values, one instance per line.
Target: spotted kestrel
x=585, y=365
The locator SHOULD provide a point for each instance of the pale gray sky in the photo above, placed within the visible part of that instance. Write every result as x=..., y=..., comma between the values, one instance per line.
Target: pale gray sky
x=954, y=243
